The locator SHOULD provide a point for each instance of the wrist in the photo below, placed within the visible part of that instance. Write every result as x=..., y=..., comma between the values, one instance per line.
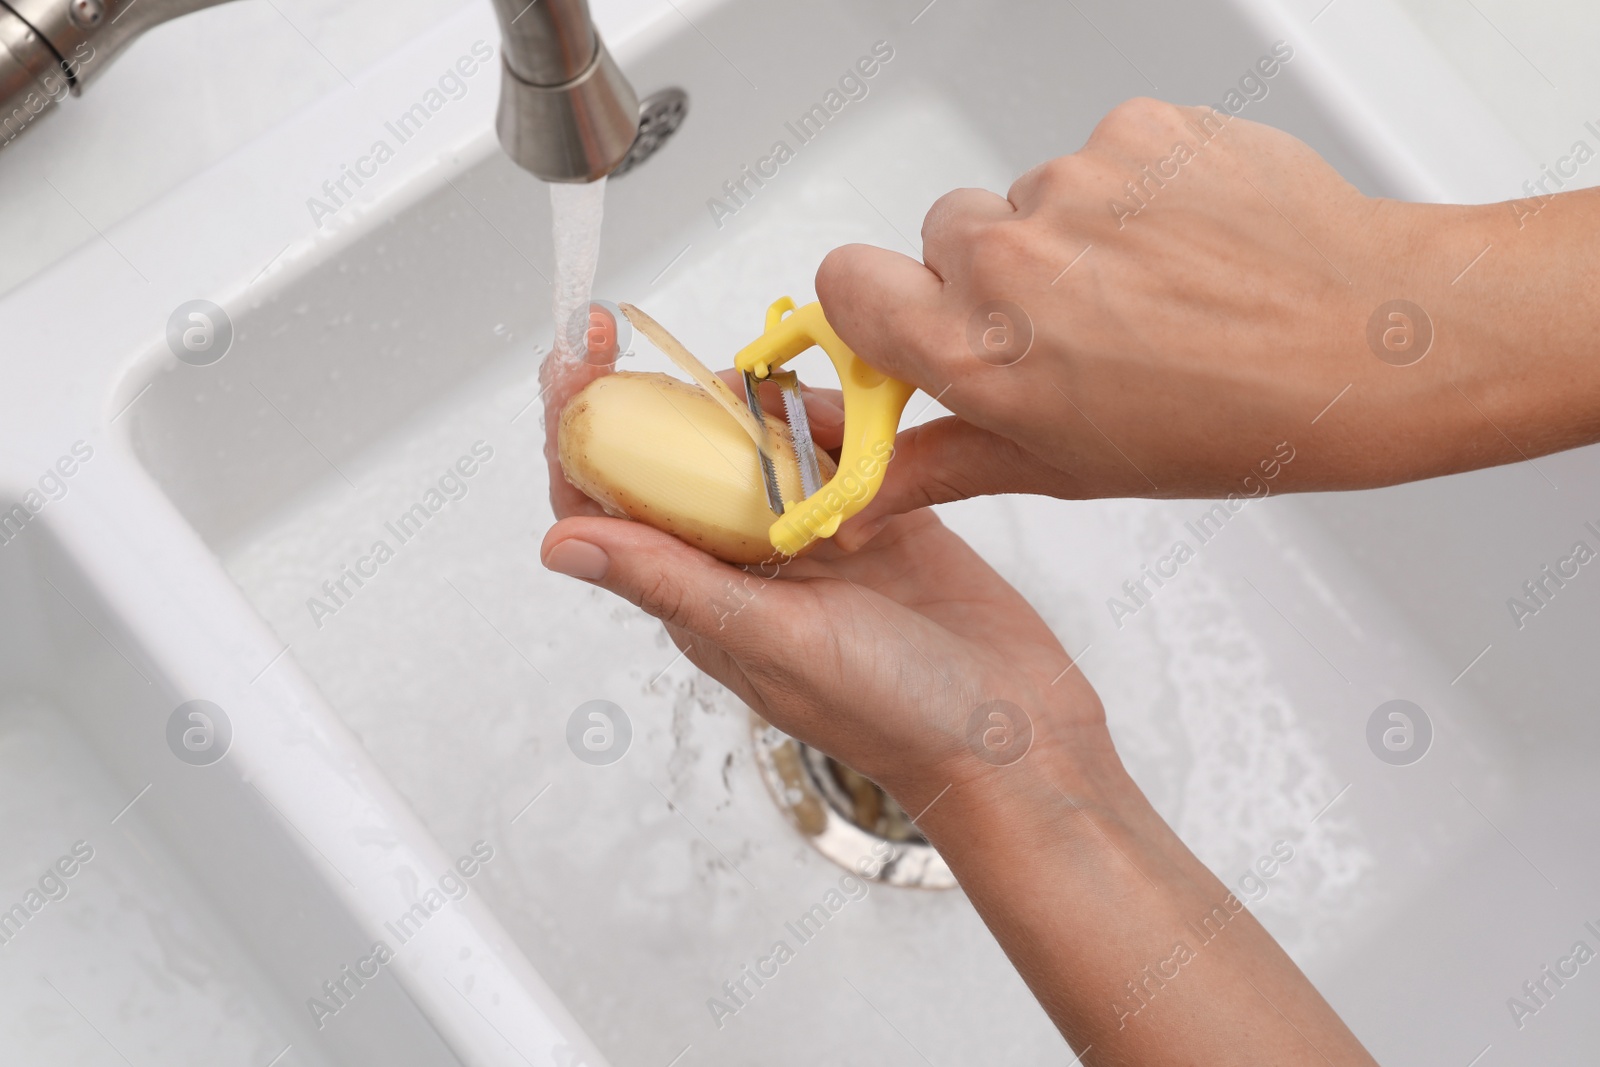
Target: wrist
x=1398, y=335
x=1511, y=374
x=1039, y=792
x=1062, y=802
x=1059, y=830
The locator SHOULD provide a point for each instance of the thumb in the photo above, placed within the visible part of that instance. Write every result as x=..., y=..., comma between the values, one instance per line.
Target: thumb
x=667, y=578
x=945, y=460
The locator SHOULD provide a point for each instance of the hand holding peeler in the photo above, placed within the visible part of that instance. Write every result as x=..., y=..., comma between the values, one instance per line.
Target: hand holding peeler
x=873, y=404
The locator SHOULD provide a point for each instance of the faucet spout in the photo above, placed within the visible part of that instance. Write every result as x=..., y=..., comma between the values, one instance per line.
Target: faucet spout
x=51, y=49
x=566, y=112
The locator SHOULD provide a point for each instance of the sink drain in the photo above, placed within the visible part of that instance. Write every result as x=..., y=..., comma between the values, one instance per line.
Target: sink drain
x=844, y=815
x=660, y=115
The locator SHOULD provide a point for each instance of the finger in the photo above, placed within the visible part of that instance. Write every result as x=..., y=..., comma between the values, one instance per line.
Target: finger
x=824, y=407
x=889, y=309
x=952, y=224
x=602, y=340
x=566, y=499
x=826, y=402
x=562, y=379
x=825, y=413
x=946, y=460
x=671, y=580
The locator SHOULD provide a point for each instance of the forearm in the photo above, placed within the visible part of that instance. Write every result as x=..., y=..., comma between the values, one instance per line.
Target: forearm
x=1138, y=953
x=1538, y=316
x=1514, y=368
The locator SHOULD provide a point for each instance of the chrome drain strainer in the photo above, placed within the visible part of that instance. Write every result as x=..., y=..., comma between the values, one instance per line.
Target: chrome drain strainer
x=845, y=816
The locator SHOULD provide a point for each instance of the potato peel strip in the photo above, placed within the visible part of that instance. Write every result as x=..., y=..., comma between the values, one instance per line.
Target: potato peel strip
x=686, y=362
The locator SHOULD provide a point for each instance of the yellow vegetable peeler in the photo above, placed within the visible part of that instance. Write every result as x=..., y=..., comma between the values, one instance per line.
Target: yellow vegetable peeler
x=873, y=404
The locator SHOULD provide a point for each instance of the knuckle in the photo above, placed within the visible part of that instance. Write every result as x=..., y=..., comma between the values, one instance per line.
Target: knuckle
x=663, y=597
x=1046, y=181
x=939, y=480
x=1140, y=120
x=1056, y=188
x=942, y=223
x=951, y=215
x=838, y=270
x=1064, y=172
x=943, y=487
x=946, y=207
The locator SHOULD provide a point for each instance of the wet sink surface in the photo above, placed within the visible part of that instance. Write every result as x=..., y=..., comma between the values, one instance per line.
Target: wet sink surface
x=375, y=381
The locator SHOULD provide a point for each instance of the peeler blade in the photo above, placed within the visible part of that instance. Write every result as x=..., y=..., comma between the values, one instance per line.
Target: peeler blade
x=794, y=406
x=769, y=473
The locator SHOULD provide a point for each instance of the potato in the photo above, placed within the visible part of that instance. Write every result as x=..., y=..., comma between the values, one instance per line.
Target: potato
x=664, y=452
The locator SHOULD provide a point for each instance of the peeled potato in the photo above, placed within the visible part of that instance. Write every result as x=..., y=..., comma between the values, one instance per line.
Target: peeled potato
x=659, y=450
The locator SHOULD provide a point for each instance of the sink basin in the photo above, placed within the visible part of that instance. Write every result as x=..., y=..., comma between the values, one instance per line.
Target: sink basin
x=380, y=388
x=186, y=895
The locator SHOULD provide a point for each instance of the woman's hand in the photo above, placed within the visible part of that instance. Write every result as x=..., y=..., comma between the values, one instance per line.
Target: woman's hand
x=1156, y=314
x=879, y=657
x=913, y=662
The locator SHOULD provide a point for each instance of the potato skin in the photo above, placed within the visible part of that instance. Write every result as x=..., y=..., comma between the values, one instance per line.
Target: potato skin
x=652, y=448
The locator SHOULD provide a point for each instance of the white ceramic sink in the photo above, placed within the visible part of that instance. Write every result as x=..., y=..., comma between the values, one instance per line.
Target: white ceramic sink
x=378, y=742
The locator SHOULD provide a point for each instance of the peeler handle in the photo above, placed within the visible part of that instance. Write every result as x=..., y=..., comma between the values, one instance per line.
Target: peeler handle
x=873, y=403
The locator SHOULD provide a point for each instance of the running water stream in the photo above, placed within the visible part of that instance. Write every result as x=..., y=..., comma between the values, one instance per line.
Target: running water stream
x=576, y=212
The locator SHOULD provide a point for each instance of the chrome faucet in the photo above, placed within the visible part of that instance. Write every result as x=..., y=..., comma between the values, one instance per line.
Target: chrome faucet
x=566, y=112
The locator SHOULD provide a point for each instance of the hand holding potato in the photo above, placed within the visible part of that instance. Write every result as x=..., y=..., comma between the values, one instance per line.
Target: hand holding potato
x=880, y=658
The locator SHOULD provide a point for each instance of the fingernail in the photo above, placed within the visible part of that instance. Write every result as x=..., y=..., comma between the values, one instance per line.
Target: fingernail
x=578, y=559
